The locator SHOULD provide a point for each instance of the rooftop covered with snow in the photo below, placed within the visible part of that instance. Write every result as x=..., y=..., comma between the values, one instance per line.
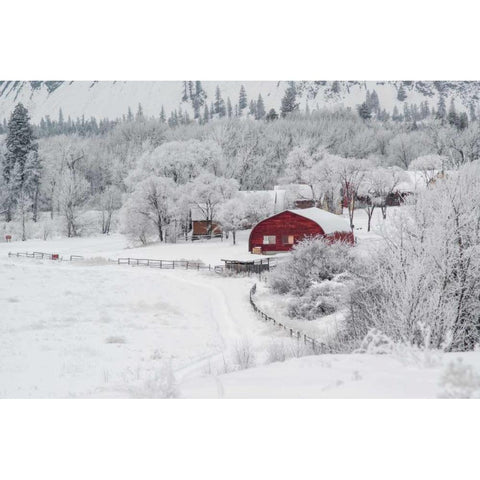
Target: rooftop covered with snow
x=329, y=222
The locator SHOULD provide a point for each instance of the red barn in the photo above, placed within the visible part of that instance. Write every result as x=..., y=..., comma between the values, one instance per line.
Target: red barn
x=281, y=231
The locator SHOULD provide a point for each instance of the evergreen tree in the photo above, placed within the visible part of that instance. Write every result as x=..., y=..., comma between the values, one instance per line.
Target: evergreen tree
x=473, y=115
x=218, y=98
x=289, y=100
x=335, y=86
x=374, y=102
x=407, y=117
x=242, y=99
x=252, y=108
x=364, y=111
x=401, y=94
x=441, y=108
x=396, y=114
x=196, y=107
x=129, y=115
x=60, y=118
x=206, y=114
x=271, y=115
x=260, y=113
x=462, y=121
x=185, y=91
x=162, y=115
x=229, y=108
x=452, y=114
x=139, y=116
x=200, y=93
x=21, y=168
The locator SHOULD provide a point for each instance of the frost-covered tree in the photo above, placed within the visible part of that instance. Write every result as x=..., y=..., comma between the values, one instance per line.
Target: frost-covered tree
x=289, y=100
x=422, y=285
x=232, y=215
x=260, y=108
x=378, y=184
x=153, y=200
x=72, y=194
x=109, y=201
x=207, y=192
x=180, y=161
x=430, y=166
x=21, y=167
x=401, y=94
x=242, y=99
x=351, y=174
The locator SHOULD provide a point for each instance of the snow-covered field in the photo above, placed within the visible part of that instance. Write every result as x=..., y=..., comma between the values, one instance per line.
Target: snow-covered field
x=97, y=329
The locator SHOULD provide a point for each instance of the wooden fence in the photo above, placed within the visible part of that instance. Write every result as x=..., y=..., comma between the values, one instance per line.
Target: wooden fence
x=317, y=346
x=169, y=264
x=45, y=256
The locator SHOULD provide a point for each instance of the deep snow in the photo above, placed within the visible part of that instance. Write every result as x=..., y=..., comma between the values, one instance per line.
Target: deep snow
x=97, y=329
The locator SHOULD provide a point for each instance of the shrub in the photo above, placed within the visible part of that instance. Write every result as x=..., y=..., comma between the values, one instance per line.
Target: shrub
x=460, y=381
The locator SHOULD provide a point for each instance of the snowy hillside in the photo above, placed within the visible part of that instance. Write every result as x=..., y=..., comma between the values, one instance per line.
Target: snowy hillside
x=112, y=99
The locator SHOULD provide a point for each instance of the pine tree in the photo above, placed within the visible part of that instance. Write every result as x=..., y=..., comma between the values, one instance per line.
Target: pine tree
x=190, y=89
x=200, y=93
x=462, y=123
x=242, y=99
x=452, y=114
x=129, y=115
x=252, y=108
x=260, y=113
x=407, y=116
x=401, y=94
x=206, y=114
x=395, y=114
x=185, y=92
x=473, y=115
x=196, y=108
x=289, y=100
x=218, y=97
x=335, y=86
x=271, y=115
x=229, y=108
x=441, y=108
x=364, y=111
x=162, y=115
x=374, y=102
x=22, y=152
x=139, y=115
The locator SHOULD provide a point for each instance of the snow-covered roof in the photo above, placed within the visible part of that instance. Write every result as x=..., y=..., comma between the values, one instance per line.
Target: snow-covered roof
x=197, y=214
x=277, y=197
x=295, y=191
x=329, y=222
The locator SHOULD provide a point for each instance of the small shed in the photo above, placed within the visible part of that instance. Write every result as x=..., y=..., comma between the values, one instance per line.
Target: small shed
x=280, y=232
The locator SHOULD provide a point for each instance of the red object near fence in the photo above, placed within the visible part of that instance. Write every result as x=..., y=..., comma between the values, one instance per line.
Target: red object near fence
x=55, y=256
x=282, y=231
x=8, y=238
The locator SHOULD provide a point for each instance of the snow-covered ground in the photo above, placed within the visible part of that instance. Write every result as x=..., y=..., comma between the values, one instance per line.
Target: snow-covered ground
x=337, y=376
x=97, y=329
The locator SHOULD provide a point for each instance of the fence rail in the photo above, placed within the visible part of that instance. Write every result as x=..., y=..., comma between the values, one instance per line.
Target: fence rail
x=45, y=256
x=317, y=346
x=168, y=264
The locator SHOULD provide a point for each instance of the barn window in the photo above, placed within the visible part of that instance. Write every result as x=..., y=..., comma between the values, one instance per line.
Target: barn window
x=287, y=239
x=269, y=240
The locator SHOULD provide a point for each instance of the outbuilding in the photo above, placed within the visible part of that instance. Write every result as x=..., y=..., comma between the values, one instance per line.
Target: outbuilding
x=280, y=232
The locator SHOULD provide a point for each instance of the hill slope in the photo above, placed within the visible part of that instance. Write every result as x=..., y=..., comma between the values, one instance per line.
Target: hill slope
x=112, y=99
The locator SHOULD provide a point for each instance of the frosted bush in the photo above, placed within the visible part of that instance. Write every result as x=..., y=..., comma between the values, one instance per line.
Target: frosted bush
x=320, y=299
x=460, y=381
x=376, y=343
x=281, y=350
x=161, y=383
x=313, y=260
x=243, y=354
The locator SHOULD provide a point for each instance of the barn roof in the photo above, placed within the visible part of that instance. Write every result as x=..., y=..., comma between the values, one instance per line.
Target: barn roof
x=329, y=222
